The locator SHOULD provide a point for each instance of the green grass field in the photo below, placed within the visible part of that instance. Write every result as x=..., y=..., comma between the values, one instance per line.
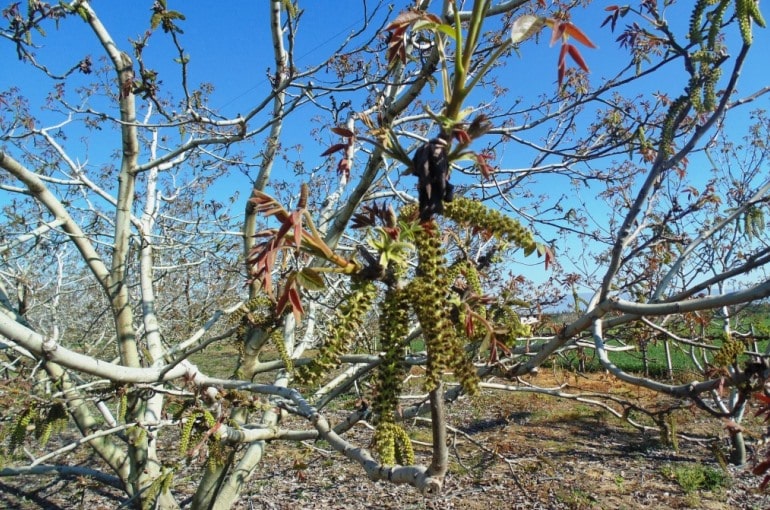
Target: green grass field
x=634, y=360
x=221, y=359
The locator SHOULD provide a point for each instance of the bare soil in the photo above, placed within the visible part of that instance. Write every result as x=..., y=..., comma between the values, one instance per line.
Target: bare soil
x=512, y=451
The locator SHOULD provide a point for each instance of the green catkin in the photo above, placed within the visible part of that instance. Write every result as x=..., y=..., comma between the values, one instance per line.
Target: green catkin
x=474, y=284
x=385, y=443
x=185, y=436
x=276, y=338
x=705, y=72
x=254, y=313
x=709, y=89
x=696, y=20
x=151, y=494
x=122, y=404
x=403, y=447
x=168, y=479
x=747, y=11
x=455, y=270
x=208, y=418
x=394, y=324
x=463, y=210
x=217, y=454
x=669, y=128
x=393, y=444
x=349, y=317
x=744, y=20
x=753, y=222
x=472, y=278
x=55, y=421
x=756, y=14
x=716, y=18
x=43, y=432
x=19, y=432
x=157, y=487
x=509, y=321
x=728, y=353
x=428, y=292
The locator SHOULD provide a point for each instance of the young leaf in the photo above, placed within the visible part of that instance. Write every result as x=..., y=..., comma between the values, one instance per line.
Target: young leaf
x=406, y=18
x=525, y=27
x=310, y=279
x=296, y=303
x=562, y=65
x=577, y=57
x=343, y=131
x=573, y=31
x=334, y=148
x=449, y=31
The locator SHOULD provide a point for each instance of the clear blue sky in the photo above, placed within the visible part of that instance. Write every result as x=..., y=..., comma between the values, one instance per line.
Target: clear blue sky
x=229, y=44
x=230, y=47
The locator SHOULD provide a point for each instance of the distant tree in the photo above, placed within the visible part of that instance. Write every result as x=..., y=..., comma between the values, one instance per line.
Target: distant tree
x=120, y=258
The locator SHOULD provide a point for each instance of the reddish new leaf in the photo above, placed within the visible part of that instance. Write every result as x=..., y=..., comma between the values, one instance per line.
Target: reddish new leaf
x=296, y=303
x=562, y=65
x=369, y=215
x=397, y=40
x=334, y=148
x=547, y=253
x=343, y=168
x=290, y=297
x=404, y=19
x=482, y=161
x=576, y=56
x=494, y=346
x=479, y=126
x=397, y=47
x=296, y=218
x=343, y=131
x=469, y=327
x=393, y=232
x=461, y=136
x=573, y=31
x=283, y=300
x=558, y=33
x=612, y=18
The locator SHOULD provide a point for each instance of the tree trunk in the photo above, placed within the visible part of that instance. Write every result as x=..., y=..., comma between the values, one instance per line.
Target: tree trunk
x=737, y=449
x=669, y=364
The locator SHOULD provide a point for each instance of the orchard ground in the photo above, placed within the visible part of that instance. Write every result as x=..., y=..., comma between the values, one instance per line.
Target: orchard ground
x=509, y=450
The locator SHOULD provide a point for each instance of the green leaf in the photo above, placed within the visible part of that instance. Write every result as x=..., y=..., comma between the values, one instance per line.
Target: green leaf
x=290, y=8
x=529, y=249
x=155, y=20
x=435, y=27
x=175, y=15
x=446, y=29
x=311, y=280
x=83, y=13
